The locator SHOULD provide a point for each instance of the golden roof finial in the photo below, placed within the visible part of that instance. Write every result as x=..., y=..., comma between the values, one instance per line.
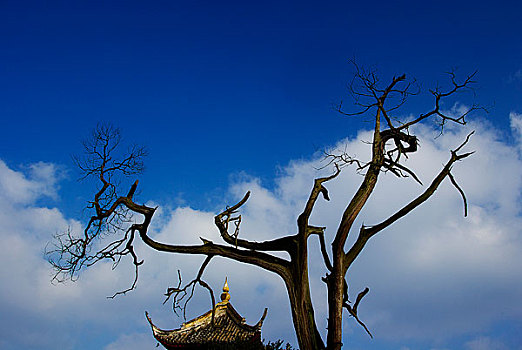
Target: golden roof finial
x=225, y=296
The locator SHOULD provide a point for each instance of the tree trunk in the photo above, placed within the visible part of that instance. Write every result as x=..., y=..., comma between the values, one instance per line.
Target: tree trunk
x=335, y=308
x=303, y=316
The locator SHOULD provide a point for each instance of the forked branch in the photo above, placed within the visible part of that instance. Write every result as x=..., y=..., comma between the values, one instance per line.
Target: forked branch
x=367, y=232
x=228, y=216
x=319, y=231
x=440, y=94
x=113, y=212
x=317, y=189
x=352, y=310
x=184, y=294
x=445, y=172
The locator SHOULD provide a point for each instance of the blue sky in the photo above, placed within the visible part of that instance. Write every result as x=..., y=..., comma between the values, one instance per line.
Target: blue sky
x=230, y=96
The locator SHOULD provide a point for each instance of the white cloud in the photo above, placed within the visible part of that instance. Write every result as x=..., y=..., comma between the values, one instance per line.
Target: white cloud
x=516, y=126
x=41, y=310
x=428, y=274
x=19, y=188
x=432, y=275
x=24, y=286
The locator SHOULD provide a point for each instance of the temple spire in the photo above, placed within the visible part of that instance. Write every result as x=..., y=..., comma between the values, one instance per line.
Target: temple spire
x=225, y=296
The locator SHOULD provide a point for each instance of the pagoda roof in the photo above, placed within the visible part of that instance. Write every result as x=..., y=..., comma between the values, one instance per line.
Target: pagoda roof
x=226, y=326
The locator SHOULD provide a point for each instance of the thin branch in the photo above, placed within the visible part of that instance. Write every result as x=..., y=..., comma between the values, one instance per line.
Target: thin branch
x=359, y=298
x=353, y=310
x=367, y=232
x=439, y=95
x=316, y=190
x=223, y=220
x=130, y=248
x=180, y=293
x=342, y=160
x=461, y=193
x=397, y=169
x=319, y=231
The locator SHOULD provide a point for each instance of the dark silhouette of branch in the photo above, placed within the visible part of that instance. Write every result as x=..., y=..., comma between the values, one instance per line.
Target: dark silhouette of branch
x=352, y=310
x=454, y=182
x=367, y=232
x=179, y=293
x=316, y=190
x=319, y=231
x=225, y=218
x=119, y=219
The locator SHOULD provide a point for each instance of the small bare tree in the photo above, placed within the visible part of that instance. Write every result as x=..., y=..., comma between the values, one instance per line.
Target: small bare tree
x=392, y=142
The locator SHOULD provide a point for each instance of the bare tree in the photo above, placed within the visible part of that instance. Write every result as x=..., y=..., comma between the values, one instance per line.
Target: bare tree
x=392, y=142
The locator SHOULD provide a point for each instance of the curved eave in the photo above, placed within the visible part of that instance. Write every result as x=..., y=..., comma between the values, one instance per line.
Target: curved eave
x=225, y=308
x=259, y=323
x=155, y=330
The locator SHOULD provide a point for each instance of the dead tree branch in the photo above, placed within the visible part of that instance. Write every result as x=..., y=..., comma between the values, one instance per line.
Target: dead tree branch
x=179, y=293
x=352, y=310
x=225, y=218
x=367, y=232
x=117, y=218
